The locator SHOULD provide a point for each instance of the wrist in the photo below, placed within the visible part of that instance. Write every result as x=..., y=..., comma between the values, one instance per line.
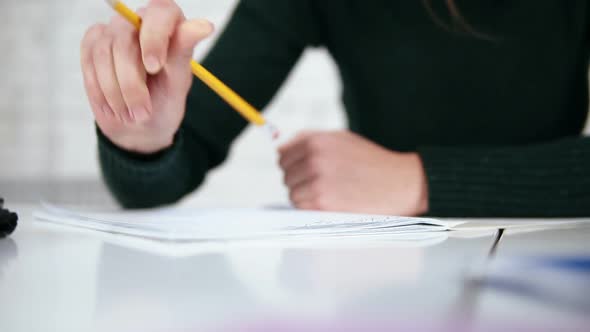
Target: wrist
x=420, y=185
x=145, y=145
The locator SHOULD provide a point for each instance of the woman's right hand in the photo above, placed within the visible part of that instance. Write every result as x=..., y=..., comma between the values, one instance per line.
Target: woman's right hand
x=137, y=82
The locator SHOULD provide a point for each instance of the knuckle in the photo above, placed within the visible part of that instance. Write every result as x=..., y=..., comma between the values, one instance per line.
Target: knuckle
x=163, y=3
x=159, y=2
x=125, y=40
x=85, y=62
x=117, y=108
x=315, y=144
x=129, y=87
x=305, y=133
x=92, y=32
x=282, y=162
x=91, y=36
x=103, y=48
x=117, y=22
x=174, y=10
x=314, y=165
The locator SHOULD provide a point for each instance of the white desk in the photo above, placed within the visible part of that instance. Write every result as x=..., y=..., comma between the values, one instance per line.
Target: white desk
x=55, y=280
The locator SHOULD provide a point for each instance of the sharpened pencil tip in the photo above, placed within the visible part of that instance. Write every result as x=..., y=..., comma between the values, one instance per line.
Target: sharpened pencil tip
x=272, y=131
x=276, y=134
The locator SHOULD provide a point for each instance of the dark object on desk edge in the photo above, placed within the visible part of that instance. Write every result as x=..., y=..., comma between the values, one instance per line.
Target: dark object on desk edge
x=8, y=220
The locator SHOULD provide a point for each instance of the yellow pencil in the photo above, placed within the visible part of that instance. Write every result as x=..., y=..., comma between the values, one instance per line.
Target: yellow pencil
x=226, y=93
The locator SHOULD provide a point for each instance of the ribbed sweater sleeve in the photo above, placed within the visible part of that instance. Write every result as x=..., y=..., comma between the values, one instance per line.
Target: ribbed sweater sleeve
x=544, y=180
x=140, y=181
x=255, y=53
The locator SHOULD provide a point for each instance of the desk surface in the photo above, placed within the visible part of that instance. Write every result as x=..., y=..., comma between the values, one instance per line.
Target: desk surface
x=57, y=280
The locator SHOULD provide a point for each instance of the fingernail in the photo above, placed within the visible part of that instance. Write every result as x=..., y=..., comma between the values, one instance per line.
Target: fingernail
x=202, y=27
x=207, y=26
x=140, y=114
x=152, y=64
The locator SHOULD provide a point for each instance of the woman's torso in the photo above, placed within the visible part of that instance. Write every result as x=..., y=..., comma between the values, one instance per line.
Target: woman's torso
x=409, y=82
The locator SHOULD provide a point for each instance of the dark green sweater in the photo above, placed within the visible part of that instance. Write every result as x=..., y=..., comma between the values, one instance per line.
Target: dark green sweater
x=497, y=122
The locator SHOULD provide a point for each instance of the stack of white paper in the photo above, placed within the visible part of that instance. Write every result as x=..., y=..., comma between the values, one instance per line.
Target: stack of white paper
x=238, y=224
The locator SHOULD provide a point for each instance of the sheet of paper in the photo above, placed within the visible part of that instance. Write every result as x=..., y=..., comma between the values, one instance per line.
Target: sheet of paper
x=238, y=224
x=186, y=248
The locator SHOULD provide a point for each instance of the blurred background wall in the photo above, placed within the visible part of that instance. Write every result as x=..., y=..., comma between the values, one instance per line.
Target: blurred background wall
x=47, y=139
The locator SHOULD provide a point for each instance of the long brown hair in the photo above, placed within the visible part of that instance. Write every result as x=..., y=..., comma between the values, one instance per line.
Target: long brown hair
x=457, y=23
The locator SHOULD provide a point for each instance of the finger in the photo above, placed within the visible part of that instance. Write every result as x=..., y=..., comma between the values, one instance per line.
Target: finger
x=302, y=193
x=315, y=204
x=107, y=79
x=308, y=195
x=295, y=150
x=131, y=75
x=296, y=140
x=307, y=205
x=97, y=100
x=186, y=38
x=303, y=170
x=159, y=22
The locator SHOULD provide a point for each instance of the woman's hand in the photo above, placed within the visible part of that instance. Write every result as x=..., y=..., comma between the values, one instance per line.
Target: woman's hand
x=341, y=171
x=137, y=82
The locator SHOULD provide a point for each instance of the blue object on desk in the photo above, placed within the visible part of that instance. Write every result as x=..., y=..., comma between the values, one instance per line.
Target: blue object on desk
x=573, y=264
x=560, y=281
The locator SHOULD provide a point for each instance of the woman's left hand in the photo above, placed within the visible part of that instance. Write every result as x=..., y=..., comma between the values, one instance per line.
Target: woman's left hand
x=342, y=171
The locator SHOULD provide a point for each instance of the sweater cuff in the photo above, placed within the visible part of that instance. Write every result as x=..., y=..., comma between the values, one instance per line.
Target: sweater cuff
x=146, y=181
x=459, y=183
x=121, y=161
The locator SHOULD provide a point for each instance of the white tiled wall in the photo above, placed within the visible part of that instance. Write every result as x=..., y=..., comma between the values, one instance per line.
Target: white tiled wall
x=46, y=128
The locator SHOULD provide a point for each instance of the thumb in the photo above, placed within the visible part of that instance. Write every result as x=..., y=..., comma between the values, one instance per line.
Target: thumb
x=188, y=34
